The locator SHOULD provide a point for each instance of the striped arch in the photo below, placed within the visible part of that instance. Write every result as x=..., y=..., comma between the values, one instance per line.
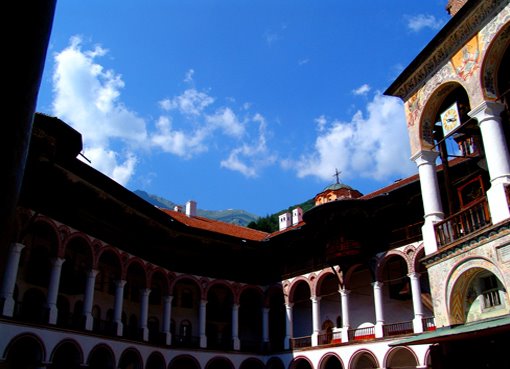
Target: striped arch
x=273, y=290
x=387, y=256
x=183, y=277
x=316, y=284
x=458, y=282
x=492, y=61
x=294, y=283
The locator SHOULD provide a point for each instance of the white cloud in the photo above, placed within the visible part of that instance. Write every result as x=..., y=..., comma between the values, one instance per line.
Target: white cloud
x=86, y=96
x=418, y=22
x=189, y=76
x=226, y=120
x=371, y=147
x=177, y=142
x=362, y=90
x=191, y=102
x=249, y=159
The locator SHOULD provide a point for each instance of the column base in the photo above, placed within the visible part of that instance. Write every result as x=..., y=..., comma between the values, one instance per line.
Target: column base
x=418, y=324
x=379, y=332
x=7, y=306
x=203, y=342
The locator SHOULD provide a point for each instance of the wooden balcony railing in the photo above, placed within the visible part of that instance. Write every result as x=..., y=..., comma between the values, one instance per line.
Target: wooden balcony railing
x=463, y=223
x=405, y=235
x=367, y=333
x=300, y=342
x=397, y=329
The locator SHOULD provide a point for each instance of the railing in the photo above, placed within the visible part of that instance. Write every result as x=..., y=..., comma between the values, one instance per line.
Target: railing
x=300, y=342
x=397, y=329
x=330, y=338
x=463, y=223
x=186, y=341
x=367, y=333
x=406, y=235
x=429, y=324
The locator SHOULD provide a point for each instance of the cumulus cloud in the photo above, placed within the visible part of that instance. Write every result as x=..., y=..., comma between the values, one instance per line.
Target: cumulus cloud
x=370, y=146
x=418, y=22
x=87, y=97
x=249, y=159
x=362, y=90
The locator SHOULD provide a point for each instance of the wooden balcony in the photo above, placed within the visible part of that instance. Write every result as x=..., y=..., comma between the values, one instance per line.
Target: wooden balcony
x=464, y=223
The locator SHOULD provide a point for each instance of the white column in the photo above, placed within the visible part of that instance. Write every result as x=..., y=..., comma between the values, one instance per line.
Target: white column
x=88, y=299
x=9, y=281
x=144, y=313
x=235, y=327
x=315, y=319
x=203, y=337
x=379, y=312
x=56, y=268
x=346, y=323
x=417, y=305
x=265, y=325
x=167, y=319
x=431, y=197
x=288, y=325
x=488, y=115
x=119, y=300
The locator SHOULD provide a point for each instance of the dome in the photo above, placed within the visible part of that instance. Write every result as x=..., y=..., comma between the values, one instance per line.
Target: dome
x=337, y=186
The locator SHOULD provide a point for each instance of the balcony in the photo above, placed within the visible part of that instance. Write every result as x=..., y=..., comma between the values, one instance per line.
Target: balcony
x=461, y=225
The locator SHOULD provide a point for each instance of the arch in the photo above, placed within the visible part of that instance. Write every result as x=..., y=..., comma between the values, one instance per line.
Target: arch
x=101, y=357
x=43, y=226
x=79, y=256
x=295, y=284
x=432, y=108
x=492, y=63
x=324, y=274
x=25, y=351
x=130, y=359
x=464, y=292
x=67, y=354
x=156, y=360
x=275, y=363
x=184, y=277
x=158, y=278
x=301, y=362
x=219, y=362
x=401, y=357
x=363, y=359
x=252, y=363
x=184, y=362
x=349, y=274
x=331, y=361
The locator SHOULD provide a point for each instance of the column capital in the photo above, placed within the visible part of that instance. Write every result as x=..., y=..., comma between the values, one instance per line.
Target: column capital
x=425, y=157
x=315, y=298
x=414, y=275
x=344, y=292
x=487, y=110
x=17, y=247
x=120, y=283
x=377, y=284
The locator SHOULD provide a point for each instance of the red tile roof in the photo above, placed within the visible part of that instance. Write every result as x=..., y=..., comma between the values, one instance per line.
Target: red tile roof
x=217, y=226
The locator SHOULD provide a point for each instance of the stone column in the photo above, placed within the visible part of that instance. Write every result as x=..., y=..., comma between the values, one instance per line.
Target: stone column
x=265, y=325
x=144, y=313
x=167, y=319
x=346, y=323
x=119, y=300
x=315, y=319
x=53, y=287
x=288, y=325
x=379, y=312
x=9, y=282
x=235, y=327
x=488, y=115
x=417, y=305
x=202, y=318
x=431, y=197
x=88, y=299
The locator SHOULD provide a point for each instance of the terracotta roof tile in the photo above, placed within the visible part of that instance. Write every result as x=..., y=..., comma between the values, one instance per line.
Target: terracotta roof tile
x=217, y=226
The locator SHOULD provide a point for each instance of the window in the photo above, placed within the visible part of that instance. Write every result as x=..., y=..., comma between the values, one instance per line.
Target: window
x=490, y=292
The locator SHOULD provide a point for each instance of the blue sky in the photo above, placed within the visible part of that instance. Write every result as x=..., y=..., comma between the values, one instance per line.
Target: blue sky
x=239, y=104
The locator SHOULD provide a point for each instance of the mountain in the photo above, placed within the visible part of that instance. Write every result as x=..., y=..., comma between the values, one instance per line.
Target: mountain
x=234, y=216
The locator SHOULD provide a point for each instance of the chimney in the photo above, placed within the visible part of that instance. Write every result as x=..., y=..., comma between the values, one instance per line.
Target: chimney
x=191, y=208
x=297, y=215
x=284, y=221
x=178, y=208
